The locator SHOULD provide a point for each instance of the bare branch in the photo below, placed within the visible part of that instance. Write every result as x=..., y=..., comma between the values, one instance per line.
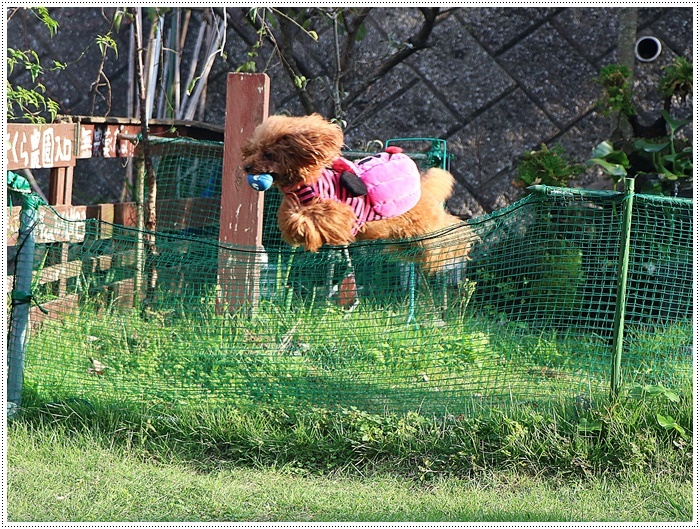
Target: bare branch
x=352, y=28
x=416, y=42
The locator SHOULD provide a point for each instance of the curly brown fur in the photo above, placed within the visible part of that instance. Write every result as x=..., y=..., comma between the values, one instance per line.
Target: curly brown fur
x=312, y=226
x=295, y=150
x=426, y=217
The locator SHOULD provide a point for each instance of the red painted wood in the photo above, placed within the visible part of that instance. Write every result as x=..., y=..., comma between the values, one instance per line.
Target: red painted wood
x=247, y=105
x=247, y=102
x=61, y=186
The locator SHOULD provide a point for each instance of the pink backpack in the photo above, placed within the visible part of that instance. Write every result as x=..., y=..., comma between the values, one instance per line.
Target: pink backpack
x=392, y=180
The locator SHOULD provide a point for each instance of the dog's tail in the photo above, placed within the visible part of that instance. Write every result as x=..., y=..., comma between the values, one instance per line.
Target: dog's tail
x=452, y=247
x=437, y=184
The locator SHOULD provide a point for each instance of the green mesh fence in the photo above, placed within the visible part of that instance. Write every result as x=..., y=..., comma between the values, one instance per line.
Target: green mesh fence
x=529, y=318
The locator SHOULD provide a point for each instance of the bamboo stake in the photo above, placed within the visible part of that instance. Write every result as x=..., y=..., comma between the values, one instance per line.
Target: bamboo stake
x=154, y=46
x=193, y=68
x=180, y=33
x=165, y=72
x=150, y=223
x=217, y=42
x=621, y=299
x=130, y=112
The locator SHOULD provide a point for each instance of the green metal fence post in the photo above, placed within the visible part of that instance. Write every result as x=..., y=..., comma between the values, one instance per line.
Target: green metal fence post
x=621, y=298
x=21, y=295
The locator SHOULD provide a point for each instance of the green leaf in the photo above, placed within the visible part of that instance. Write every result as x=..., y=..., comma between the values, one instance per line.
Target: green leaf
x=668, y=175
x=671, y=395
x=614, y=169
x=602, y=150
x=361, y=32
x=669, y=423
x=637, y=392
x=640, y=392
x=650, y=146
x=666, y=421
x=248, y=67
x=43, y=14
x=118, y=16
x=586, y=426
x=674, y=124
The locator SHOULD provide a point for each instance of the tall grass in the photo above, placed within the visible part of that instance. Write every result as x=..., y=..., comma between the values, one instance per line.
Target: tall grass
x=315, y=353
x=312, y=386
x=79, y=478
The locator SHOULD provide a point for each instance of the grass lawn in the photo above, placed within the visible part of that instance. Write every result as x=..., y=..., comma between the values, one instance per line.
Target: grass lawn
x=81, y=477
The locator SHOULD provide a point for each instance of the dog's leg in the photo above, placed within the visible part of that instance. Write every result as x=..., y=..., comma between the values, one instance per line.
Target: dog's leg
x=347, y=292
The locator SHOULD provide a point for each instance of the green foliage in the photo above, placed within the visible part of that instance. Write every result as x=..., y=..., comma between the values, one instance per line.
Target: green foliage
x=28, y=103
x=614, y=162
x=673, y=164
x=148, y=473
x=617, y=90
x=654, y=393
x=567, y=441
x=670, y=158
x=43, y=14
x=548, y=167
x=670, y=161
x=105, y=43
x=677, y=78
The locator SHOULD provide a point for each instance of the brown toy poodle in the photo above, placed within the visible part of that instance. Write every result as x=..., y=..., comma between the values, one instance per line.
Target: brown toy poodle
x=330, y=200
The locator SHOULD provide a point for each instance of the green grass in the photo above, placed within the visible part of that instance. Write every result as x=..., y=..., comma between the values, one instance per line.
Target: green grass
x=316, y=353
x=311, y=414
x=56, y=475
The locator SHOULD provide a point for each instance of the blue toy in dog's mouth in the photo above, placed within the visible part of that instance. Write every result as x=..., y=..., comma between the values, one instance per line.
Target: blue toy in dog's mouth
x=260, y=182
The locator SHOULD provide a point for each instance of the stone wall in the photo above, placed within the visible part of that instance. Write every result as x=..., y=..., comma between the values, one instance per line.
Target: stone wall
x=495, y=82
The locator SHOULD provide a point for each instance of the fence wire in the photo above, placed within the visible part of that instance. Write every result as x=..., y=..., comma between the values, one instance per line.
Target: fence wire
x=527, y=319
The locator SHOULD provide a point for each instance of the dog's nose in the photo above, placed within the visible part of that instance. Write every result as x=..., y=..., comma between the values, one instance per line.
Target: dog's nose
x=248, y=168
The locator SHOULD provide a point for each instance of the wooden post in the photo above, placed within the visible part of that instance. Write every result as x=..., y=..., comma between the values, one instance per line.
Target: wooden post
x=61, y=194
x=61, y=186
x=247, y=105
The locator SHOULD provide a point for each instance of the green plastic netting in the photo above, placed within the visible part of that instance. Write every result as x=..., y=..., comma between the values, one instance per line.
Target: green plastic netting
x=528, y=319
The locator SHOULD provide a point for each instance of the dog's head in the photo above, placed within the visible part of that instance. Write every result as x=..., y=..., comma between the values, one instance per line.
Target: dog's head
x=293, y=150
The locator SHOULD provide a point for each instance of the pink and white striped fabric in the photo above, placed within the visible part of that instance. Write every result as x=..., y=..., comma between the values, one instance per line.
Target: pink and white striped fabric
x=392, y=180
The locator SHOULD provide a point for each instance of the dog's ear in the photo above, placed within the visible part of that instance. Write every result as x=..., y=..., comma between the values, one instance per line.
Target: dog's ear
x=315, y=142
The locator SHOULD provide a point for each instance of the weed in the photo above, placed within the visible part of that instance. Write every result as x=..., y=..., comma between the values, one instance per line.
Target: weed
x=547, y=167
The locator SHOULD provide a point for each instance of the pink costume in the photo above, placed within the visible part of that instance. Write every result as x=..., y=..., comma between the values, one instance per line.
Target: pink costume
x=392, y=180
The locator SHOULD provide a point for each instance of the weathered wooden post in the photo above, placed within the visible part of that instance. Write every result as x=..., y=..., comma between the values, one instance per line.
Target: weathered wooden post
x=240, y=231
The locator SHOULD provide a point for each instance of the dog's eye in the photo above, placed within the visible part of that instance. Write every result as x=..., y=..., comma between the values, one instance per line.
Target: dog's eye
x=268, y=156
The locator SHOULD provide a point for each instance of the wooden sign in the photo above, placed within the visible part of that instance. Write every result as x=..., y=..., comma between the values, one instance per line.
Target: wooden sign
x=36, y=146
x=67, y=226
x=51, y=146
